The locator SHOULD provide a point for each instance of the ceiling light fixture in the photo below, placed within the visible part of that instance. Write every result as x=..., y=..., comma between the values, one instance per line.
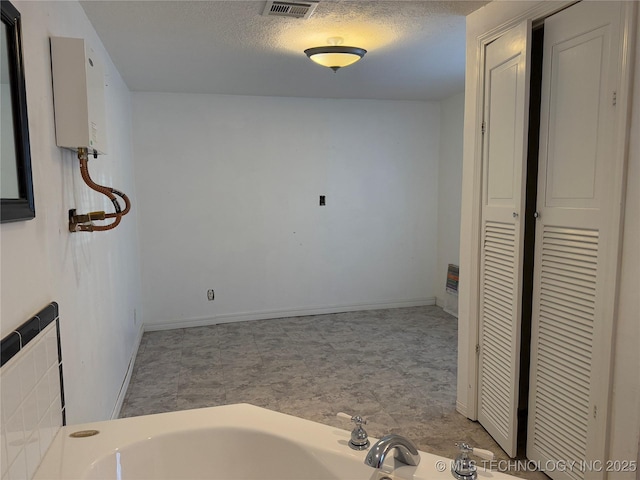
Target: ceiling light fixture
x=335, y=55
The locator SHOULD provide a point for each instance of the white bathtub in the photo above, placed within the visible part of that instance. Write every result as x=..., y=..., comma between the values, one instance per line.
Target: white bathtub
x=240, y=442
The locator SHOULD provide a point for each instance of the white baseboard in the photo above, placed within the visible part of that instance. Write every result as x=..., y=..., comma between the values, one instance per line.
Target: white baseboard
x=127, y=378
x=299, y=312
x=450, y=312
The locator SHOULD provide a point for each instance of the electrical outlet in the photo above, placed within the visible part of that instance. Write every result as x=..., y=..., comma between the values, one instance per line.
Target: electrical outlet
x=210, y=295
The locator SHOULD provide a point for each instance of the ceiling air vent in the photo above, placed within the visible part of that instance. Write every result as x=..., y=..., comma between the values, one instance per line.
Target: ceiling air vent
x=300, y=9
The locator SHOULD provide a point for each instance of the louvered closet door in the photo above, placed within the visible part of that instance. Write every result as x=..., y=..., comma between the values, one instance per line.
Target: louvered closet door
x=576, y=243
x=506, y=100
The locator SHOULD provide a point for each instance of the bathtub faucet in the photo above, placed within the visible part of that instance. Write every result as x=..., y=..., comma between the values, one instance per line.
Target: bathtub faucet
x=405, y=451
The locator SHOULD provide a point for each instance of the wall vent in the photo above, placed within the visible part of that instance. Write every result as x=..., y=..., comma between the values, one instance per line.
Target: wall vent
x=296, y=9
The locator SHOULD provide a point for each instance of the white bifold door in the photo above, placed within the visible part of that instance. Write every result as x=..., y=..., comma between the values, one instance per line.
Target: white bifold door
x=577, y=235
x=505, y=120
x=579, y=192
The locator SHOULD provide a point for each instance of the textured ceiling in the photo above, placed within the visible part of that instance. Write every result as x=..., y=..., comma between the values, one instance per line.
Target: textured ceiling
x=415, y=48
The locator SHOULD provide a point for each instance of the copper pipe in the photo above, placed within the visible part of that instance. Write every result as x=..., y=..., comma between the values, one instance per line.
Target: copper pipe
x=107, y=191
x=127, y=205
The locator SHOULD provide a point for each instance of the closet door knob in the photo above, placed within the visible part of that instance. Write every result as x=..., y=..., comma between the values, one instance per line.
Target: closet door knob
x=536, y=215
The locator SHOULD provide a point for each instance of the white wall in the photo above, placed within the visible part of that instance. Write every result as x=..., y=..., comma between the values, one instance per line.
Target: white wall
x=93, y=277
x=229, y=189
x=449, y=191
x=625, y=415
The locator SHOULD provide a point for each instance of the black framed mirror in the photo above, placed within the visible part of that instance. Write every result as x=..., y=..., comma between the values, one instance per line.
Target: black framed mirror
x=16, y=186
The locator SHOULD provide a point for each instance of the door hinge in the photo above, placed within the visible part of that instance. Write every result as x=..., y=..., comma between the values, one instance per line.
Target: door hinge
x=615, y=98
x=483, y=127
x=477, y=349
x=595, y=411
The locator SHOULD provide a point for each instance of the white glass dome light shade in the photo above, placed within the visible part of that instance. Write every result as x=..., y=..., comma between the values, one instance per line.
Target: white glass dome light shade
x=335, y=56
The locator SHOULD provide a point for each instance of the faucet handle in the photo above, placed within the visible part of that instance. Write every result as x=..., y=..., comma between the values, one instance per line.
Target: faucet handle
x=357, y=419
x=479, y=452
x=464, y=447
x=464, y=468
x=486, y=454
x=359, y=437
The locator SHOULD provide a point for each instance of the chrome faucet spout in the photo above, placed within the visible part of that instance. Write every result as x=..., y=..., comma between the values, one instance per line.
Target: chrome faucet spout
x=405, y=451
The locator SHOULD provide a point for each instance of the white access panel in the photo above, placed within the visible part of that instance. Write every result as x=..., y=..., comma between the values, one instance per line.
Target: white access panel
x=78, y=95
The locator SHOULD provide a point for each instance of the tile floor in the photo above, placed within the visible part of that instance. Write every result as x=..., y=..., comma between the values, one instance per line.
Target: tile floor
x=395, y=367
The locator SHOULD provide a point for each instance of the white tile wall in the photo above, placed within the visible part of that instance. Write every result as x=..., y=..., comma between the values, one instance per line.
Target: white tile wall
x=31, y=406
